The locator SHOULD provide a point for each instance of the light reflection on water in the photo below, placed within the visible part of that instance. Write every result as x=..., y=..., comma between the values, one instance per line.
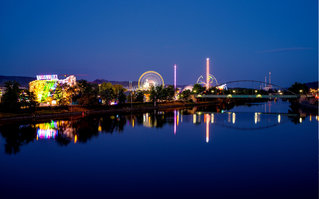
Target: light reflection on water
x=198, y=146
x=68, y=130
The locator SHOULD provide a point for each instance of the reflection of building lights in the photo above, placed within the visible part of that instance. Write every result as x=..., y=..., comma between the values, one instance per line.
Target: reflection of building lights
x=212, y=118
x=75, y=138
x=233, y=118
x=256, y=118
x=46, y=133
x=310, y=118
x=229, y=119
x=133, y=123
x=194, y=118
x=99, y=128
x=300, y=120
x=207, y=127
x=47, y=130
x=279, y=118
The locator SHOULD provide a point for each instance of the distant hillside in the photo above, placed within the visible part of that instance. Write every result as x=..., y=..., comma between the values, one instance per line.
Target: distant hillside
x=312, y=84
x=23, y=81
x=123, y=83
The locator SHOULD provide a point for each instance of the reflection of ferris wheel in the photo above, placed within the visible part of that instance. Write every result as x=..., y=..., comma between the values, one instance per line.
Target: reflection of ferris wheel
x=149, y=79
x=212, y=80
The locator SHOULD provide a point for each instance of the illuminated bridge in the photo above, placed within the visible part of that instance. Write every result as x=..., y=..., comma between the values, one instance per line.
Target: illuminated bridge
x=247, y=89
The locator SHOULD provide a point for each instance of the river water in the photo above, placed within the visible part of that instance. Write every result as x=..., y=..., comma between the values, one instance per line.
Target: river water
x=266, y=150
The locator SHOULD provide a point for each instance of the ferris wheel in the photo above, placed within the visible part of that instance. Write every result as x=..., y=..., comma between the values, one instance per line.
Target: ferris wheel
x=149, y=79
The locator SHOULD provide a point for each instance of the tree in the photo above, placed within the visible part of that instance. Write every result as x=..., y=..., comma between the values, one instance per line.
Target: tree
x=63, y=94
x=185, y=94
x=58, y=94
x=153, y=94
x=139, y=96
x=117, y=88
x=121, y=97
x=197, y=88
x=107, y=95
x=169, y=92
x=87, y=95
x=299, y=88
x=105, y=86
x=27, y=100
x=10, y=100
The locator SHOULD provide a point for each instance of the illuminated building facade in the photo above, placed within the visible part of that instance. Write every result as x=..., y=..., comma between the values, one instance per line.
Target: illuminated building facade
x=45, y=85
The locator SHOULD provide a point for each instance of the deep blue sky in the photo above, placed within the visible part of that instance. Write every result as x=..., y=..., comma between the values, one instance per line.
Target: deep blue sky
x=119, y=40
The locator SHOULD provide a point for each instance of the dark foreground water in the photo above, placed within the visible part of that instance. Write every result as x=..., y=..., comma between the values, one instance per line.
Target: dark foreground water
x=261, y=151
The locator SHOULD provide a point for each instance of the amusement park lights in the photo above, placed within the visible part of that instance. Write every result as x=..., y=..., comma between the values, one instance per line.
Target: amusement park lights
x=175, y=77
x=207, y=73
x=150, y=78
x=45, y=85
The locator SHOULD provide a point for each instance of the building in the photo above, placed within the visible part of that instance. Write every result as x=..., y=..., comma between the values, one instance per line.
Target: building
x=45, y=85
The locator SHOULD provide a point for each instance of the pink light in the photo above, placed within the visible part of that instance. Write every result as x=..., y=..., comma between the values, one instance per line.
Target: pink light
x=207, y=116
x=175, y=77
x=207, y=73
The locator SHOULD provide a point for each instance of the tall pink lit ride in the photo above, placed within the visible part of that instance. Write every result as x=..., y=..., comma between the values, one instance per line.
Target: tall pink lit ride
x=207, y=73
x=175, y=77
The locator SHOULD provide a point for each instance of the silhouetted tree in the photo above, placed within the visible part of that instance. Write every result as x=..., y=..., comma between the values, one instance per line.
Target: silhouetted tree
x=121, y=96
x=10, y=99
x=139, y=96
x=185, y=94
x=299, y=88
x=197, y=88
x=87, y=95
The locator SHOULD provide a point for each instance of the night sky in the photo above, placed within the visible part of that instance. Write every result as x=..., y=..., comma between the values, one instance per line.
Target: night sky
x=119, y=40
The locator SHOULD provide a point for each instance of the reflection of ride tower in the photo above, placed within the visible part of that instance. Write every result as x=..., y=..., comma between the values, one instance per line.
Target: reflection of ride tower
x=207, y=121
x=176, y=120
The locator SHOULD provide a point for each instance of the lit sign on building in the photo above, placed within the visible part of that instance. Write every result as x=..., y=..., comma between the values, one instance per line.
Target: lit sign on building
x=47, y=77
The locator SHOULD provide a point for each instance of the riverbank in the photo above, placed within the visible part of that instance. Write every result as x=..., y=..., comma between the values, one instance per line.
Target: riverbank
x=78, y=111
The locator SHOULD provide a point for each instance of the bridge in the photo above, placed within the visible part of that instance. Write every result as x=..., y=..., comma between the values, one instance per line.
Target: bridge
x=248, y=96
x=256, y=89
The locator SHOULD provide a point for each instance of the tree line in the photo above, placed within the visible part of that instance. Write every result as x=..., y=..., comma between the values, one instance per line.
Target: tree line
x=88, y=94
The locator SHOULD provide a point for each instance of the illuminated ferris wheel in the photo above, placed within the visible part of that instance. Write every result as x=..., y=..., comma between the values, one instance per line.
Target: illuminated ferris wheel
x=149, y=79
x=212, y=80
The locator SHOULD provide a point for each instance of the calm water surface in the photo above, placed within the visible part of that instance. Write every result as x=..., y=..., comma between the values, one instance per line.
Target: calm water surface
x=261, y=151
